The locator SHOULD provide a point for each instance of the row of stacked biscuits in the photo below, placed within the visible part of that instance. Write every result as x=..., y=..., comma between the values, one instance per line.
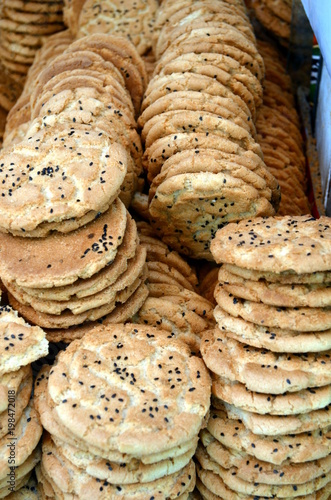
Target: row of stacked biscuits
x=269, y=357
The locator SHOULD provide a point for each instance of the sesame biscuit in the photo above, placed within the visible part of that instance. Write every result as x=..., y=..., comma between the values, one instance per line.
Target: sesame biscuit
x=274, y=339
x=67, y=318
x=20, y=343
x=7, y=56
x=50, y=421
x=9, y=90
x=69, y=479
x=157, y=154
x=19, y=484
x=121, y=314
x=292, y=403
x=21, y=402
x=115, y=473
x=26, y=204
x=116, y=46
x=28, y=431
x=162, y=85
x=67, y=99
x=190, y=161
x=276, y=294
x=132, y=20
x=11, y=381
x=274, y=118
x=236, y=483
x=250, y=469
x=275, y=425
x=222, y=68
x=263, y=371
x=99, y=281
x=198, y=101
x=228, y=41
x=284, y=252
x=253, y=166
x=96, y=245
x=105, y=117
x=156, y=268
x=158, y=251
x=102, y=82
x=171, y=7
x=12, y=67
x=304, y=319
x=203, y=13
x=172, y=122
x=228, y=494
x=212, y=484
x=293, y=448
x=288, y=277
x=80, y=59
x=222, y=198
x=78, y=305
x=124, y=436
x=22, y=472
x=29, y=40
x=123, y=56
x=184, y=315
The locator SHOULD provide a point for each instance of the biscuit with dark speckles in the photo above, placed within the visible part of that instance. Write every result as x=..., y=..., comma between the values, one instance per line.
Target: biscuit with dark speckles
x=291, y=403
x=32, y=263
x=274, y=339
x=304, y=319
x=296, y=244
x=20, y=343
x=261, y=370
x=147, y=356
x=44, y=184
x=293, y=448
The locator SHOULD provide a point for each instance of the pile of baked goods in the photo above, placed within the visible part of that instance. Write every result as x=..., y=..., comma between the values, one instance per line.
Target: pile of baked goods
x=20, y=427
x=270, y=361
x=278, y=133
x=74, y=172
x=24, y=24
x=147, y=133
x=173, y=303
x=198, y=113
x=123, y=407
x=275, y=16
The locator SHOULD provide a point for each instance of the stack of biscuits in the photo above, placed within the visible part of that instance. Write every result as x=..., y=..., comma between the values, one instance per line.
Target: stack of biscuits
x=130, y=19
x=197, y=120
x=24, y=25
x=122, y=408
x=275, y=16
x=270, y=358
x=279, y=135
x=173, y=303
x=66, y=186
x=19, y=118
x=20, y=427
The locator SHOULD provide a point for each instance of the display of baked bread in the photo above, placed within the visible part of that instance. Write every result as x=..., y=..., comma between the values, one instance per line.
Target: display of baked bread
x=155, y=229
